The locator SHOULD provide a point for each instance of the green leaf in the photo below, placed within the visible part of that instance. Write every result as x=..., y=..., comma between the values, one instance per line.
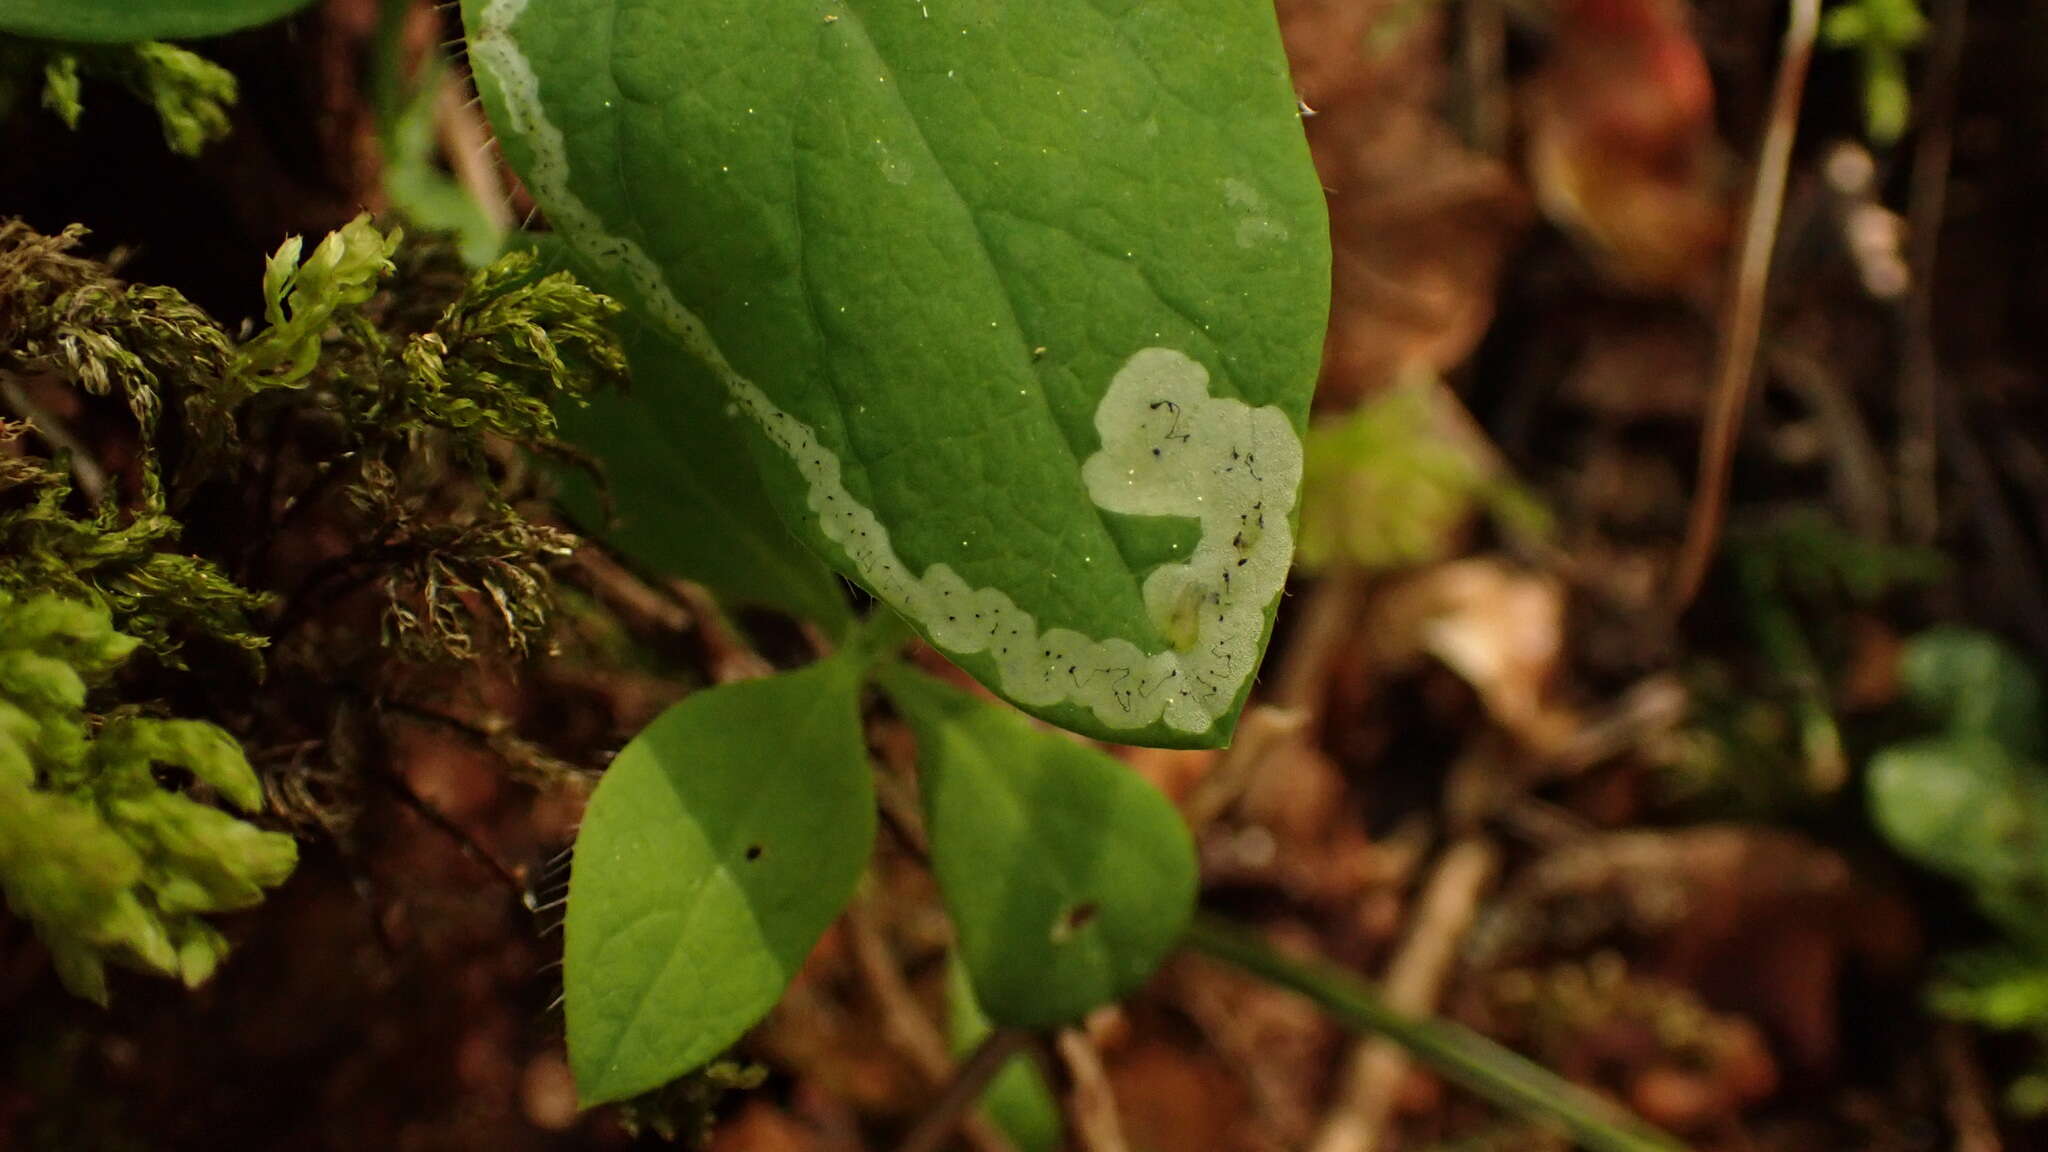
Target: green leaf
x=1027, y=298
x=1999, y=988
x=1068, y=876
x=681, y=493
x=1017, y=1100
x=716, y=850
x=1974, y=684
x=106, y=21
x=1967, y=806
x=685, y=493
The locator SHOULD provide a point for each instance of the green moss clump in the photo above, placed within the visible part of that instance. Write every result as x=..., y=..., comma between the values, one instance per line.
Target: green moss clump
x=108, y=865
x=190, y=94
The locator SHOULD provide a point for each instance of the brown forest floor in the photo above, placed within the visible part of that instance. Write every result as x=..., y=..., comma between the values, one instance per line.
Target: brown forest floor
x=1503, y=776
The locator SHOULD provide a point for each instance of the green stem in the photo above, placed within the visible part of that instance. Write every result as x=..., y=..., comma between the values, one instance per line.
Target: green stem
x=877, y=638
x=1479, y=1064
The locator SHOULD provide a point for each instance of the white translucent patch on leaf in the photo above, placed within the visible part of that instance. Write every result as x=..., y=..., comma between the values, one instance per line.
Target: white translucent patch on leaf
x=1255, y=227
x=1169, y=448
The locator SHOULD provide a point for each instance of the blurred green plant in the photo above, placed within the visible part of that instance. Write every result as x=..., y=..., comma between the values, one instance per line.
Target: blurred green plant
x=190, y=94
x=1385, y=486
x=1971, y=802
x=405, y=100
x=1763, y=743
x=108, y=865
x=1881, y=33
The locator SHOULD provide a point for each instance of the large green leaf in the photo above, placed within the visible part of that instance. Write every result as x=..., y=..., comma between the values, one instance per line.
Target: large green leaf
x=1027, y=296
x=681, y=493
x=684, y=490
x=719, y=846
x=120, y=20
x=1067, y=875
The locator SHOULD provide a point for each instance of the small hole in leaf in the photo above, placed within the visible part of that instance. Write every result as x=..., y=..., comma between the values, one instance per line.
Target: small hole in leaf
x=754, y=851
x=1075, y=918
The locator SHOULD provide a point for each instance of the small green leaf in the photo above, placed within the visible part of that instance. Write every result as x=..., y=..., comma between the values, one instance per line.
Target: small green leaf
x=107, y=21
x=1068, y=876
x=716, y=850
x=1026, y=298
x=1017, y=1100
x=1965, y=805
x=1974, y=684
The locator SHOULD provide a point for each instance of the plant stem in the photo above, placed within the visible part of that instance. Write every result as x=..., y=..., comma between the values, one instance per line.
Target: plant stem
x=969, y=1081
x=1743, y=323
x=879, y=637
x=1487, y=1069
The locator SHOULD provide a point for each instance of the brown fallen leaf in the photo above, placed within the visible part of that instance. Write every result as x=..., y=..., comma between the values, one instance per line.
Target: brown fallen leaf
x=1421, y=224
x=1622, y=149
x=1500, y=628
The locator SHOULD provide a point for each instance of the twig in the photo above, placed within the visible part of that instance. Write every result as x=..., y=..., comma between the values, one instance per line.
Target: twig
x=1414, y=982
x=92, y=479
x=1090, y=1102
x=914, y=1037
x=1324, y=625
x=732, y=658
x=626, y=593
x=1503, y=1077
x=905, y=1028
x=1968, y=1097
x=1857, y=479
x=470, y=846
x=465, y=141
x=1919, y=367
x=1744, y=327
x=953, y=1109
x=1263, y=729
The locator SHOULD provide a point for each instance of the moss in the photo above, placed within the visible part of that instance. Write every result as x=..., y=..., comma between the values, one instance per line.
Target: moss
x=400, y=419
x=105, y=863
x=190, y=94
x=401, y=407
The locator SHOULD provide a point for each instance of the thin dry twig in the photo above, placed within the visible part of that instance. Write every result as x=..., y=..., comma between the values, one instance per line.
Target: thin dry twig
x=1263, y=729
x=1858, y=479
x=905, y=1027
x=626, y=593
x=1968, y=1097
x=1325, y=623
x=1414, y=983
x=1090, y=1102
x=1743, y=329
x=732, y=658
x=85, y=468
x=953, y=1111
x=466, y=142
x=2019, y=578
x=913, y=1036
x=1920, y=367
